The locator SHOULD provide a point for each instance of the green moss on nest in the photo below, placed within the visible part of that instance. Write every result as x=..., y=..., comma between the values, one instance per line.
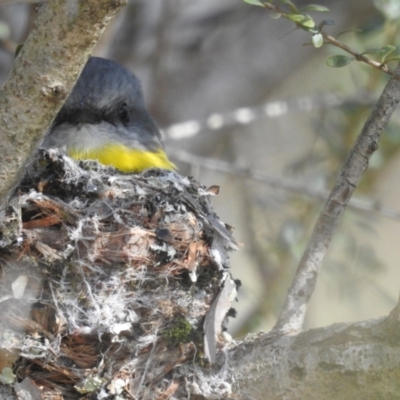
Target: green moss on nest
x=179, y=332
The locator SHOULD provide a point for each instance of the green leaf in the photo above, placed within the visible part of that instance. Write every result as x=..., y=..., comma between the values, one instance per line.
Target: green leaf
x=349, y=30
x=317, y=40
x=393, y=58
x=325, y=22
x=383, y=51
x=293, y=8
x=389, y=49
x=254, y=2
x=373, y=51
x=339, y=61
x=315, y=7
x=303, y=20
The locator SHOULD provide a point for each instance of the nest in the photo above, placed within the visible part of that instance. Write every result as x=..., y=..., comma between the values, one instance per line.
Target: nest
x=112, y=286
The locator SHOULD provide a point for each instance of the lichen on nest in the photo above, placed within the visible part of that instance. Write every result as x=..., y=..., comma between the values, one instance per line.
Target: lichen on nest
x=109, y=281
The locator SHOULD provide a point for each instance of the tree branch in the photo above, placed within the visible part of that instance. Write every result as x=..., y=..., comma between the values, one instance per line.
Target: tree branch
x=343, y=361
x=293, y=312
x=43, y=75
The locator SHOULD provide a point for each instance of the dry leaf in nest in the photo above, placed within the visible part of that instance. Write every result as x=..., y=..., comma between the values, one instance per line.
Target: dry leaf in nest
x=115, y=276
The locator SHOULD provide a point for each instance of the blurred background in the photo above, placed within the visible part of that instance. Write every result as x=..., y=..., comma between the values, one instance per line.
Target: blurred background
x=246, y=104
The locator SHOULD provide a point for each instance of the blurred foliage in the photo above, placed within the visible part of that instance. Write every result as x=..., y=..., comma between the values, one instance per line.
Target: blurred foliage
x=4, y=31
x=304, y=21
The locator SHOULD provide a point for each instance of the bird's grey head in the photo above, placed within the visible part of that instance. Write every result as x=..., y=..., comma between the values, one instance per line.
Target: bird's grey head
x=106, y=104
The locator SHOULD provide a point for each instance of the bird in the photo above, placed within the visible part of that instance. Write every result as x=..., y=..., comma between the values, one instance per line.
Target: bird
x=105, y=119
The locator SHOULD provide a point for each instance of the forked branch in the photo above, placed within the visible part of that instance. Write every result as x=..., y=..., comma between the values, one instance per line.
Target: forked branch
x=292, y=315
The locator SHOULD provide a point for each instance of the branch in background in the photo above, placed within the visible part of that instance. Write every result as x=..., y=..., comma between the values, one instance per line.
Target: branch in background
x=270, y=109
x=44, y=74
x=292, y=315
x=280, y=182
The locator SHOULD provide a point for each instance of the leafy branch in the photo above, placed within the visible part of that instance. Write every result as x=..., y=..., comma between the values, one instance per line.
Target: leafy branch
x=319, y=37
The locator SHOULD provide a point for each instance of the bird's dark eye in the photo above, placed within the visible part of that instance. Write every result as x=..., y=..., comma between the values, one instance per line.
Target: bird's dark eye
x=123, y=114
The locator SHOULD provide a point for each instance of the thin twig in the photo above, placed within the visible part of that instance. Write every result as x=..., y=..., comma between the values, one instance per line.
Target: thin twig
x=358, y=56
x=279, y=182
x=292, y=315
